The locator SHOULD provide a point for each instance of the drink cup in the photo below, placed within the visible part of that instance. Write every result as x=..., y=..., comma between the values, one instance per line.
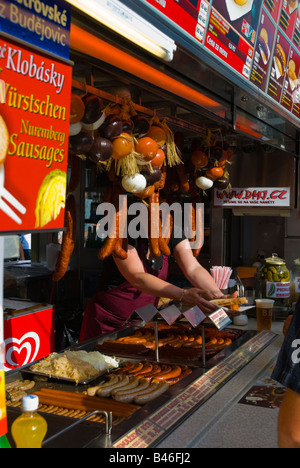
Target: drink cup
x=264, y=313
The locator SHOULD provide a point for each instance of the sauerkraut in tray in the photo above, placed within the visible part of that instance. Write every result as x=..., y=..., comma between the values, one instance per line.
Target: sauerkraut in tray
x=78, y=366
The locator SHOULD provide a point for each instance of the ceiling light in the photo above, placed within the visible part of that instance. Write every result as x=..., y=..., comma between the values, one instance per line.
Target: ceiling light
x=126, y=22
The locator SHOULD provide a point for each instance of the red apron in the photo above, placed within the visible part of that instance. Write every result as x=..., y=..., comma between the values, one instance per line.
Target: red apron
x=109, y=310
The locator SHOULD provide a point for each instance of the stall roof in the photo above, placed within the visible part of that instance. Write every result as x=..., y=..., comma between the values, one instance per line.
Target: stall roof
x=228, y=102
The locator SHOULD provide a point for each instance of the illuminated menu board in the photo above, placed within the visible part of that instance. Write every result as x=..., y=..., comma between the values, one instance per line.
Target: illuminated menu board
x=257, y=39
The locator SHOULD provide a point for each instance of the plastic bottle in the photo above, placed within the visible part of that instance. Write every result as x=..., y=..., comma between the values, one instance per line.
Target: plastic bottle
x=4, y=442
x=29, y=429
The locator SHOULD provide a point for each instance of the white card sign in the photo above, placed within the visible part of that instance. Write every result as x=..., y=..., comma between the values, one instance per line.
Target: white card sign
x=194, y=316
x=170, y=314
x=220, y=319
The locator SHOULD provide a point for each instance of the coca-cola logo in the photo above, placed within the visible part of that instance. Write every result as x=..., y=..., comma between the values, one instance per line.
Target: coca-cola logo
x=19, y=352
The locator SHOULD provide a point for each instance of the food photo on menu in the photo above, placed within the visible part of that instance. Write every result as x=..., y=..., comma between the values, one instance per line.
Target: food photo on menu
x=291, y=80
x=242, y=14
x=279, y=67
x=262, y=53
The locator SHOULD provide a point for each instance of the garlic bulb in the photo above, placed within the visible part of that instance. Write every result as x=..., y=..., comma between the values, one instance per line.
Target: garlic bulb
x=134, y=184
x=204, y=183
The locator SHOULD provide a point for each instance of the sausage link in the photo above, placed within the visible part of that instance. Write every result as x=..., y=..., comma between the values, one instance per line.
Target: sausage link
x=133, y=383
x=128, y=395
x=68, y=240
x=147, y=367
x=153, y=241
x=106, y=392
x=185, y=371
x=155, y=390
x=136, y=369
x=175, y=371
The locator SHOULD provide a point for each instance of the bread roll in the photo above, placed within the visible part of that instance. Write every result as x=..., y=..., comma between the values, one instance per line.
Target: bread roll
x=4, y=140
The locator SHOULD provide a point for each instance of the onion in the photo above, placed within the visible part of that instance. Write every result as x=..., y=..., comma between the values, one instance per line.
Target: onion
x=94, y=125
x=75, y=128
x=134, y=184
x=204, y=183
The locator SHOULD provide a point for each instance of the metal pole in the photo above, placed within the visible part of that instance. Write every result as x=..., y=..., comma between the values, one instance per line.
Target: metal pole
x=156, y=342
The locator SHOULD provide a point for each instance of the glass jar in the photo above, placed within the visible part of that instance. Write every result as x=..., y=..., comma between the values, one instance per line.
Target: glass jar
x=275, y=280
x=295, y=281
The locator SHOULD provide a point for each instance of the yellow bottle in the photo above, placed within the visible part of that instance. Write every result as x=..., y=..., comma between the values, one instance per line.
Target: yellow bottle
x=29, y=429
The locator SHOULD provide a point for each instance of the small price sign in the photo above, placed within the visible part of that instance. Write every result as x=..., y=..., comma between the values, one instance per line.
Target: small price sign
x=220, y=319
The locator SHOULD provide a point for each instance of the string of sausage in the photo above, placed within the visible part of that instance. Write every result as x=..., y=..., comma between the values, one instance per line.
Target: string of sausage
x=114, y=243
x=68, y=240
x=180, y=168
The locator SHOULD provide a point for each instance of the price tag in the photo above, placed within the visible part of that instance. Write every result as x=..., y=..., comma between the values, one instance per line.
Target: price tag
x=170, y=314
x=194, y=316
x=220, y=319
x=147, y=312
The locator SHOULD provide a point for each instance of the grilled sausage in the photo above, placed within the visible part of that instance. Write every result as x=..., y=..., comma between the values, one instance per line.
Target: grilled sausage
x=155, y=390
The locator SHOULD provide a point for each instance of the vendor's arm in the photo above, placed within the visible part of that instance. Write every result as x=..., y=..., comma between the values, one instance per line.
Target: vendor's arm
x=198, y=276
x=132, y=270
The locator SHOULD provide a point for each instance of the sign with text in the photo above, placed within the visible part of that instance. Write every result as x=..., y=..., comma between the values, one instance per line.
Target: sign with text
x=262, y=55
x=35, y=95
x=43, y=23
x=189, y=15
x=253, y=38
x=255, y=196
x=220, y=319
x=28, y=338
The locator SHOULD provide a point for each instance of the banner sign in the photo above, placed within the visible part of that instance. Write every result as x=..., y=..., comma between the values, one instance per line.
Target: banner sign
x=257, y=196
x=35, y=95
x=43, y=23
x=28, y=338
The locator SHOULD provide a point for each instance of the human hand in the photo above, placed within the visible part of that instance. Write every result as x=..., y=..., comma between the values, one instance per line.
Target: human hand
x=193, y=297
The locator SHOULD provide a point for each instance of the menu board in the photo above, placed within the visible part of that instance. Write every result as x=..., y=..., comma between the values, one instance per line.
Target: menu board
x=262, y=54
x=290, y=81
x=184, y=13
x=296, y=35
x=35, y=94
x=227, y=44
x=288, y=16
x=257, y=39
x=273, y=8
x=279, y=67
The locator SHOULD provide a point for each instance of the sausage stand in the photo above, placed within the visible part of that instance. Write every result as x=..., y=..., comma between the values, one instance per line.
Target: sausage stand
x=220, y=79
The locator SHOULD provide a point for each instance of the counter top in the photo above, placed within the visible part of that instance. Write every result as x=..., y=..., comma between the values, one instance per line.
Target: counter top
x=221, y=422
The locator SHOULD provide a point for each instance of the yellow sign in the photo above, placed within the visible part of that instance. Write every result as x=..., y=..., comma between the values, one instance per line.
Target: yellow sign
x=3, y=419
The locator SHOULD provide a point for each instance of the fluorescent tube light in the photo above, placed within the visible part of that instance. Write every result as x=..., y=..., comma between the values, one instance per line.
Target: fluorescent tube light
x=129, y=24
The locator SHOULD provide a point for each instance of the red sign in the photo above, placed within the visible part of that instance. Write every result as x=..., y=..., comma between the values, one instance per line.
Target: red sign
x=28, y=338
x=273, y=7
x=288, y=17
x=184, y=13
x=224, y=42
x=35, y=93
x=296, y=36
